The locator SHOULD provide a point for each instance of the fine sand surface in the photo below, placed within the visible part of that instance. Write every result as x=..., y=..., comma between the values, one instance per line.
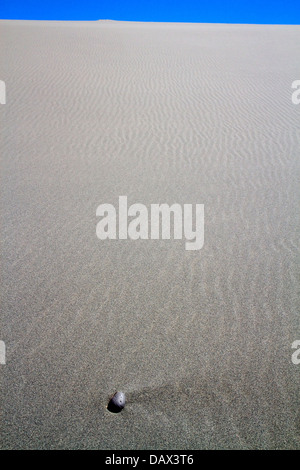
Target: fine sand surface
x=200, y=341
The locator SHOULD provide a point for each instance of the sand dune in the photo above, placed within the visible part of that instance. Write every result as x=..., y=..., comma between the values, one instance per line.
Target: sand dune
x=200, y=342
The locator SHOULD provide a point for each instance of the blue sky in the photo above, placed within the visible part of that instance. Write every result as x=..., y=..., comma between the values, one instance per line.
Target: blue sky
x=200, y=11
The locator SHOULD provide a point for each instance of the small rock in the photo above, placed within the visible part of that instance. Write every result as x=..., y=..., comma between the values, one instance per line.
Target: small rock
x=116, y=403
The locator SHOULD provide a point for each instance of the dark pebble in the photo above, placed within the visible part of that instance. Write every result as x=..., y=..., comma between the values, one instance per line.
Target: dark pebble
x=116, y=403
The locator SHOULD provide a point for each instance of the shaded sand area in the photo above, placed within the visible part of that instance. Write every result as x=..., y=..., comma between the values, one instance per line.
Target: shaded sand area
x=199, y=341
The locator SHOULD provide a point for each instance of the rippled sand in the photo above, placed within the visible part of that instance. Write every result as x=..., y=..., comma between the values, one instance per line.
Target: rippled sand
x=199, y=341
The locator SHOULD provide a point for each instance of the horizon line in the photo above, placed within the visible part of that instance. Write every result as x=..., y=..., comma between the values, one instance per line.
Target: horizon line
x=148, y=21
